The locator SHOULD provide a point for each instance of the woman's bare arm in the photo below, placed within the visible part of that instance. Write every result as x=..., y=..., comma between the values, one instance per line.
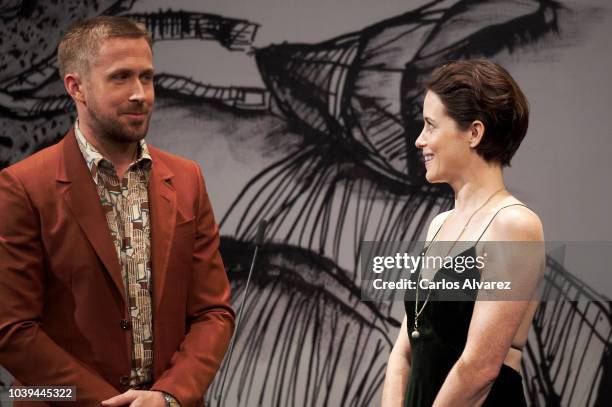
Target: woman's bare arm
x=398, y=370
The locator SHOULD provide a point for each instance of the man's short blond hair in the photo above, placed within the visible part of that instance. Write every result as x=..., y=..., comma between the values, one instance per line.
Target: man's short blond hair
x=80, y=45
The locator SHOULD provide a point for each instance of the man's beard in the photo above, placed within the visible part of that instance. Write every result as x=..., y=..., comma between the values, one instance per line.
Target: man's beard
x=115, y=130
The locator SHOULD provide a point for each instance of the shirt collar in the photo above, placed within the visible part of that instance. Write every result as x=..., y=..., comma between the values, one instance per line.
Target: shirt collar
x=95, y=159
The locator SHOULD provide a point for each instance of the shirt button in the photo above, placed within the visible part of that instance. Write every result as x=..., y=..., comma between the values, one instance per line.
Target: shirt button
x=125, y=324
x=124, y=380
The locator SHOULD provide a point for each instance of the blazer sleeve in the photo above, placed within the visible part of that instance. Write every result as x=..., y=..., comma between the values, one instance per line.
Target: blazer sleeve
x=210, y=316
x=26, y=351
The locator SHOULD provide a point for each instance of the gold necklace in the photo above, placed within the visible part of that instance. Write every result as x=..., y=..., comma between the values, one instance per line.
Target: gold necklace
x=415, y=332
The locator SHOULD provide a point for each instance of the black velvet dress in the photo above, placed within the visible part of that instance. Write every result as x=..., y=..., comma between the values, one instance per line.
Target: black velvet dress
x=443, y=328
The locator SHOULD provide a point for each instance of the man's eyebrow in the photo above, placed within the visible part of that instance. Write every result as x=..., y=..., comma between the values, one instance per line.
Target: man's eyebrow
x=119, y=71
x=429, y=120
x=129, y=71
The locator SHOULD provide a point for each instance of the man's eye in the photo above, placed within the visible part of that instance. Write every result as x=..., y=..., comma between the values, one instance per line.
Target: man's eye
x=119, y=77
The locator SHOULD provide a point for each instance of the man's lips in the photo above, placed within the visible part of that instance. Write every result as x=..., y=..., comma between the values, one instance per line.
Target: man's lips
x=135, y=115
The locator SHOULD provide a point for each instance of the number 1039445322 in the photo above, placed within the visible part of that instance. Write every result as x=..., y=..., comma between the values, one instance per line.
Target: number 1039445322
x=42, y=393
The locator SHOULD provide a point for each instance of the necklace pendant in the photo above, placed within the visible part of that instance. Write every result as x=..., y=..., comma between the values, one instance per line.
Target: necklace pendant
x=415, y=334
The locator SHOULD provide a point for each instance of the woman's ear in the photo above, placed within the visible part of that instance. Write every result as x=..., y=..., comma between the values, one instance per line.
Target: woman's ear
x=477, y=129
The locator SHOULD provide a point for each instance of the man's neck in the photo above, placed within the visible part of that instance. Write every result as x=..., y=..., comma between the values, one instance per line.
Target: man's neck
x=121, y=155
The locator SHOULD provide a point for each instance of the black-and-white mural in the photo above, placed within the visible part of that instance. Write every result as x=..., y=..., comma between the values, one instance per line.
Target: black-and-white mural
x=305, y=115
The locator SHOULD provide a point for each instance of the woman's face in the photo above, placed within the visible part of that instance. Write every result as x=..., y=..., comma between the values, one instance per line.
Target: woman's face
x=445, y=148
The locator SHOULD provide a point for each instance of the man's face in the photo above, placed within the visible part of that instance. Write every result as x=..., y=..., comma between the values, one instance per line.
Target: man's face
x=119, y=91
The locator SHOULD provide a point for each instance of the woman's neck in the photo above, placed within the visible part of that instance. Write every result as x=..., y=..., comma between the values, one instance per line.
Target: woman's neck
x=474, y=190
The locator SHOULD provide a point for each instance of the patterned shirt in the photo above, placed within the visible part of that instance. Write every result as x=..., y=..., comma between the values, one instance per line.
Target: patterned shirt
x=126, y=206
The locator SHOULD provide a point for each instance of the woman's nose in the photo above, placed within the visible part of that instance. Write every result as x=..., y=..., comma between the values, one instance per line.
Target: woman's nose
x=420, y=141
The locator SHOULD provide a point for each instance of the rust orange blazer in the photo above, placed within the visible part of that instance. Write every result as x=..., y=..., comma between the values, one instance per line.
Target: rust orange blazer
x=62, y=299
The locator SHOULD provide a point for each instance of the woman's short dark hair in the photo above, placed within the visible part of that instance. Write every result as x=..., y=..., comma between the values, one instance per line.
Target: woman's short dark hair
x=479, y=89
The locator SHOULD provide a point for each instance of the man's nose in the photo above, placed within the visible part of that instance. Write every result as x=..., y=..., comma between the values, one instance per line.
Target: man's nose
x=137, y=93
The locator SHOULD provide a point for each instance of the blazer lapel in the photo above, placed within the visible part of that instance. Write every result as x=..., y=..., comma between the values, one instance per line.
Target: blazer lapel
x=79, y=192
x=162, y=202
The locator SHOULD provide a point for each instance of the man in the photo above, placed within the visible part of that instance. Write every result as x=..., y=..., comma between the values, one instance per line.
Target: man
x=110, y=274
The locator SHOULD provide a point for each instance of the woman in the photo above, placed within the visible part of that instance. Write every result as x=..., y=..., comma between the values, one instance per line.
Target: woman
x=468, y=353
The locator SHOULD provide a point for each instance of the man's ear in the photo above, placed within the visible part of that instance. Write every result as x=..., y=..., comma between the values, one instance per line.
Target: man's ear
x=477, y=130
x=74, y=86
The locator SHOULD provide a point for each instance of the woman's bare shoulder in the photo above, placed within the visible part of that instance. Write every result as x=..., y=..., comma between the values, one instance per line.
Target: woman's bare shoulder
x=516, y=222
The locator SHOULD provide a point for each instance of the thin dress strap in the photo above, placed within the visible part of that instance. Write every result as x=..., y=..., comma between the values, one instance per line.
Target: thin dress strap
x=491, y=221
x=437, y=231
